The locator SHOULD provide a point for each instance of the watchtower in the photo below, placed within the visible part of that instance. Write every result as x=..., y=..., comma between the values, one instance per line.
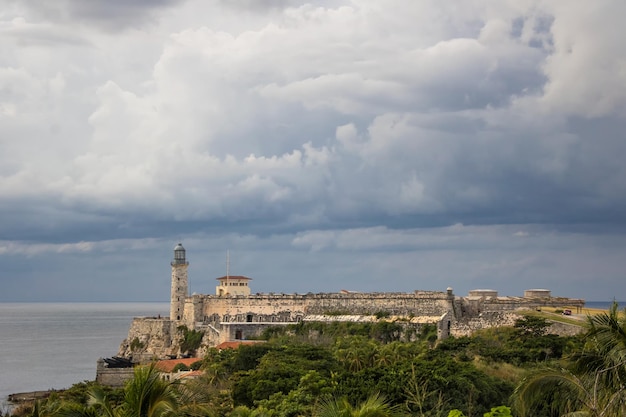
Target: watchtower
x=180, y=283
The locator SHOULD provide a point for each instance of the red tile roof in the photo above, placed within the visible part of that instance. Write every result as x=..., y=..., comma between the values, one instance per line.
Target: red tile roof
x=170, y=364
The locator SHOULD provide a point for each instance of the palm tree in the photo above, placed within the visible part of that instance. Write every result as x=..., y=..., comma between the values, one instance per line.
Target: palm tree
x=568, y=394
x=373, y=406
x=201, y=397
x=145, y=395
x=78, y=410
x=594, y=383
x=605, y=351
x=49, y=408
x=98, y=403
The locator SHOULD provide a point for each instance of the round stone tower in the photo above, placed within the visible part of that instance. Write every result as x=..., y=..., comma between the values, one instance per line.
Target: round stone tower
x=179, y=283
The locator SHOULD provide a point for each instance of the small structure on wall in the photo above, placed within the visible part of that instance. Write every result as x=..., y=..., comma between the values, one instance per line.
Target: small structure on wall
x=483, y=293
x=233, y=286
x=537, y=293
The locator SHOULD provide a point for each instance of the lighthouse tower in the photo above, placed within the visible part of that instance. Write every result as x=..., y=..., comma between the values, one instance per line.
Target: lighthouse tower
x=179, y=283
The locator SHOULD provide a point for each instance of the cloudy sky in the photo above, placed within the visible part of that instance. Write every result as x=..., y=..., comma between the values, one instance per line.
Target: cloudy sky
x=364, y=145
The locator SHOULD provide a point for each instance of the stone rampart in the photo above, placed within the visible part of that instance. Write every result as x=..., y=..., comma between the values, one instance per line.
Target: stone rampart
x=468, y=325
x=113, y=377
x=565, y=329
x=149, y=338
x=240, y=317
x=293, y=307
x=473, y=306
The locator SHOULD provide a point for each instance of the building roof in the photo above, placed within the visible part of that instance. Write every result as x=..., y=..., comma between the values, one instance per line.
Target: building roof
x=169, y=364
x=182, y=375
x=238, y=277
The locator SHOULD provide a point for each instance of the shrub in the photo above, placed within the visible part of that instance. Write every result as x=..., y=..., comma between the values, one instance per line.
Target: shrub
x=191, y=339
x=136, y=344
x=180, y=367
x=382, y=314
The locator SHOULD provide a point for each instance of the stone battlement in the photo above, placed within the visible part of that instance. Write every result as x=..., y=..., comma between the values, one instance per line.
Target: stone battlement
x=235, y=313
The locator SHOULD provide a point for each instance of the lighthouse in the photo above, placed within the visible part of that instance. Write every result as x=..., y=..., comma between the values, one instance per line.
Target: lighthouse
x=179, y=283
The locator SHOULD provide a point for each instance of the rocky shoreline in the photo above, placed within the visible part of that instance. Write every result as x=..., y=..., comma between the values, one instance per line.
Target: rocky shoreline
x=26, y=397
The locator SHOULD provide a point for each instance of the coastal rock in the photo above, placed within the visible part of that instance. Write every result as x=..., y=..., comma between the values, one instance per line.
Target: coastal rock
x=150, y=338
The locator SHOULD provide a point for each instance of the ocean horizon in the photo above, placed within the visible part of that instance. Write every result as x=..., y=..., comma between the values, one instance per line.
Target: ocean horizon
x=55, y=345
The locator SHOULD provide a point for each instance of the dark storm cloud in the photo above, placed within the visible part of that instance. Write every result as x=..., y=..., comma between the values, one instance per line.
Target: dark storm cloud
x=109, y=14
x=465, y=178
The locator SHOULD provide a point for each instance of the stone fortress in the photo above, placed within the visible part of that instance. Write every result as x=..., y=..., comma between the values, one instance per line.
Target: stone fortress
x=234, y=313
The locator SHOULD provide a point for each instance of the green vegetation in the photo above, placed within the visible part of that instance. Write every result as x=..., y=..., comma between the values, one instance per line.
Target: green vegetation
x=382, y=314
x=591, y=383
x=180, y=367
x=336, y=313
x=191, y=340
x=374, y=370
x=373, y=406
x=136, y=344
x=319, y=332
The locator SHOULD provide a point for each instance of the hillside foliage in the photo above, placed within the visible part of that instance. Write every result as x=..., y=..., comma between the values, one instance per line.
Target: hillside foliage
x=346, y=369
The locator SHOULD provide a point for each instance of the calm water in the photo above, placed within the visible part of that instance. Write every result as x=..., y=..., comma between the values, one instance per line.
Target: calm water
x=605, y=305
x=54, y=345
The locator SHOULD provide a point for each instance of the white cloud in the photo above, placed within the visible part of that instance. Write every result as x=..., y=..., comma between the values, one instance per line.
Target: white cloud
x=587, y=68
x=349, y=125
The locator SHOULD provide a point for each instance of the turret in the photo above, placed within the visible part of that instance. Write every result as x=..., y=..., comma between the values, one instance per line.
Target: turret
x=179, y=283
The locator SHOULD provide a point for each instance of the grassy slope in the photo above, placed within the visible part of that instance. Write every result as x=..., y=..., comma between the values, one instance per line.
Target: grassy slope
x=553, y=314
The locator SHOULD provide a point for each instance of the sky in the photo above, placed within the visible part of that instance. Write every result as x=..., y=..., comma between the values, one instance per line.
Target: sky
x=366, y=145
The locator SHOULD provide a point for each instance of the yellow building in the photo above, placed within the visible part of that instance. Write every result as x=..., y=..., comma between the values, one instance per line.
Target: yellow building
x=233, y=285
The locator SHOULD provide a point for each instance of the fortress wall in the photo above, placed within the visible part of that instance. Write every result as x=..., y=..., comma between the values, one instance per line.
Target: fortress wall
x=231, y=318
x=229, y=308
x=155, y=336
x=242, y=331
x=224, y=332
x=473, y=306
x=565, y=329
x=467, y=326
x=113, y=377
x=509, y=304
x=429, y=304
x=418, y=304
x=193, y=310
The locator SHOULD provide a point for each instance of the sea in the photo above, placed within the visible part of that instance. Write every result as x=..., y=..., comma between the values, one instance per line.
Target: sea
x=55, y=345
